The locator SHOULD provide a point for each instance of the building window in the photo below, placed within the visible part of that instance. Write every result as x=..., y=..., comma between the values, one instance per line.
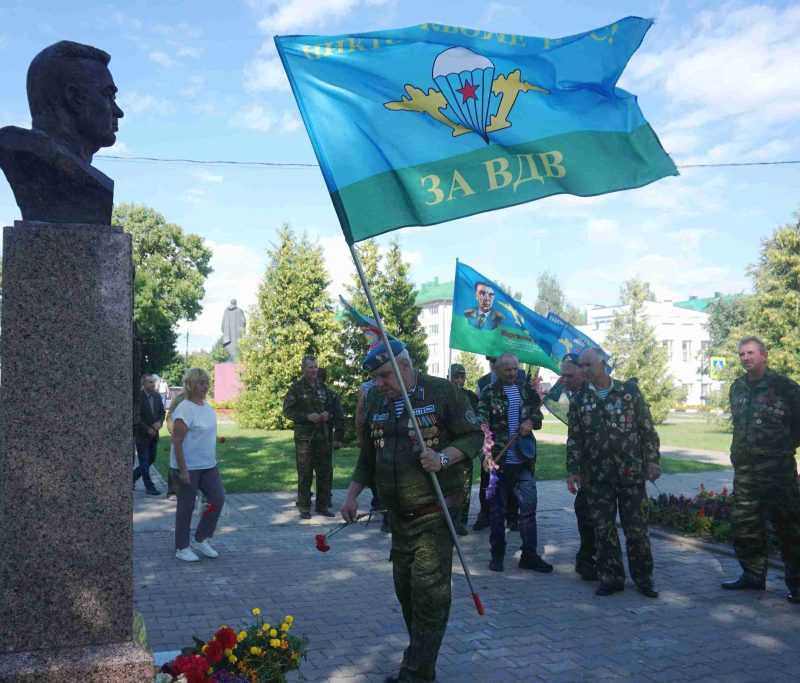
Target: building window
x=434, y=310
x=433, y=349
x=688, y=389
x=687, y=351
x=433, y=369
x=667, y=344
x=434, y=329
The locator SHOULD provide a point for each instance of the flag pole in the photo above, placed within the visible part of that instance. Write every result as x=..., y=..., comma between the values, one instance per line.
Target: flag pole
x=420, y=440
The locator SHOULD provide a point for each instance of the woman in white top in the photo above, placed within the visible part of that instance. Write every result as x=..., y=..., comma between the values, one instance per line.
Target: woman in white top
x=194, y=457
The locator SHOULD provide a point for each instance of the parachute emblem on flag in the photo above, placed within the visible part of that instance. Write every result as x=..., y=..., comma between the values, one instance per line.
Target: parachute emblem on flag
x=471, y=97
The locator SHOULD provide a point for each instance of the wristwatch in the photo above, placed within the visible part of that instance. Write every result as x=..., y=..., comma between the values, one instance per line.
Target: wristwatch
x=443, y=459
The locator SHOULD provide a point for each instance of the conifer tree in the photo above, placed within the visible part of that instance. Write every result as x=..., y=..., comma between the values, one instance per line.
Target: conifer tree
x=773, y=312
x=635, y=352
x=292, y=317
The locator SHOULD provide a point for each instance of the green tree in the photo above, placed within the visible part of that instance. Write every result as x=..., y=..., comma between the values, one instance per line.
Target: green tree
x=472, y=366
x=292, y=317
x=635, y=352
x=517, y=296
x=551, y=298
x=218, y=352
x=773, y=313
x=725, y=316
x=395, y=298
x=171, y=269
x=399, y=305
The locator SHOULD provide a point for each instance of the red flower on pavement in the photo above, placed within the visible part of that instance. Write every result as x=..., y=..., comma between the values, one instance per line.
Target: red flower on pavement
x=226, y=637
x=321, y=540
x=322, y=546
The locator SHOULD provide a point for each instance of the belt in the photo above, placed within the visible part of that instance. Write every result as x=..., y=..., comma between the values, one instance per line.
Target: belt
x=430, y=508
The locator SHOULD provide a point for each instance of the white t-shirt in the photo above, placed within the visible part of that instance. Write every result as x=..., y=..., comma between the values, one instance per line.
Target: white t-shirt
x=200, y=442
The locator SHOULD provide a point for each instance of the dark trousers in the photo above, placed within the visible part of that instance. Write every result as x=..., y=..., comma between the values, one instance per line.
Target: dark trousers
x=210, y=483
x=422, y=561
x=146, y=452
x=512, y=504
x=756, y=495
x=520, y=480
x=603, y=498
x=314, y=457
x=586, y=553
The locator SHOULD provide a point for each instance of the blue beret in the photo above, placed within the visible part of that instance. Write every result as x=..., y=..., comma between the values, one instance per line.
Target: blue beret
x=379, y=355
x=573, y=358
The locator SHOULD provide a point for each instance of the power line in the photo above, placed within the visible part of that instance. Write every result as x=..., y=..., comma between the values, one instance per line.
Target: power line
x=298, y=165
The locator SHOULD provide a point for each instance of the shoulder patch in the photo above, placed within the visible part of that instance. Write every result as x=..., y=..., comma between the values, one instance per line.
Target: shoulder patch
x=471, y=417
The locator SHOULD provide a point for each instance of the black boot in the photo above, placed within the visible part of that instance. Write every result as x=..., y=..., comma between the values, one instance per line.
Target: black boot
x=794, y=592
x=744, y=582
x=496, y=564
x=482, y=522
x=535, y=562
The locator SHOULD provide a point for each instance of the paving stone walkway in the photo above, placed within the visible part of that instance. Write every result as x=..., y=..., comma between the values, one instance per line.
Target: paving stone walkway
x=537, y=627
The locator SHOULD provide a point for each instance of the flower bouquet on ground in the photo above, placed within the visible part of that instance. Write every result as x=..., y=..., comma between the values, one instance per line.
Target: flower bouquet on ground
x=321, y=540
x=259, y=653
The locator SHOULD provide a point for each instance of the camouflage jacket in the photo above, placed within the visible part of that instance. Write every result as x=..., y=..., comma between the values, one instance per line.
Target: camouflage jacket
x=493, y=411
x=472, y=399
x=389, y=458
x=766, y=418
x=612, y=438
x=304, y=398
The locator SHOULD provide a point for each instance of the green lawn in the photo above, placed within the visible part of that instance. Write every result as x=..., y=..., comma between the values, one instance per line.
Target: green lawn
x=700, y=433
x=254, y=460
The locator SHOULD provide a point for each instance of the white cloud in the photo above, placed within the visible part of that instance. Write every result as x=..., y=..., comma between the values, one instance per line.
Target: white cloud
x=205, y=108
x=500, y=12
x=265, y=74
x=602, y=230
x=119, y=149
x=288, y=15
x=193, y=195
x=207, y=177
x=187, y=51
x=194, y=88
x=134, y=103
x=730, y=80
x=263, y=119
x=162, y=59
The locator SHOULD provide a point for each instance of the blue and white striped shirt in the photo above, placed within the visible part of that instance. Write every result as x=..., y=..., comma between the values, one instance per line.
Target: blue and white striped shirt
x=512, y=394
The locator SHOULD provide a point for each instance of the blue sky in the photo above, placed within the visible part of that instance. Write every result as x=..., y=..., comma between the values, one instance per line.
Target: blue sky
x=718, y=81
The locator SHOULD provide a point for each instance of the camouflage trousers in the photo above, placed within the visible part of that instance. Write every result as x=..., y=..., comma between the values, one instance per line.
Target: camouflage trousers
x=314, y=457
x=422, y=560
x=772, y=492
x=584, y=558
x=603, y=498
x=468, y=469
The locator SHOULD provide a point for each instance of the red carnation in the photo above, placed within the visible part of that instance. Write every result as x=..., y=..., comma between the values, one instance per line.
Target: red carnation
x=319, y=538
x=213, y=651
x=226, y=637
x=193, y=667
x=322, y=546
x=209, y=509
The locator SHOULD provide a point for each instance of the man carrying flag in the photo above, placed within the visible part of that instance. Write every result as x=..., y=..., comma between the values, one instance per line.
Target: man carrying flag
x=393, y=460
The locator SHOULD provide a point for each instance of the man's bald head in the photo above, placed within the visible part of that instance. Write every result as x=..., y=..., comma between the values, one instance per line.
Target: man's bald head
x=507, y=367
x=594, y=365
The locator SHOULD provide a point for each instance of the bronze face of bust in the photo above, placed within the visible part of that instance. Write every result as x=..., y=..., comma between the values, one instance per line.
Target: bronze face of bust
x=71, y=95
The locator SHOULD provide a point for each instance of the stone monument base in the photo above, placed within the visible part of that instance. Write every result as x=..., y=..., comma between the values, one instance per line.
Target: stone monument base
x=118, y=662
x=227, y=385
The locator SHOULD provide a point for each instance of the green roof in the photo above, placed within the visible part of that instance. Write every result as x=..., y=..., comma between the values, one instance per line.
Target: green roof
x=701, y=304
x=435, y=291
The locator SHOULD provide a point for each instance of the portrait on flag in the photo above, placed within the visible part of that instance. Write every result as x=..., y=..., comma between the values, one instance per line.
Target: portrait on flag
x=484, y=316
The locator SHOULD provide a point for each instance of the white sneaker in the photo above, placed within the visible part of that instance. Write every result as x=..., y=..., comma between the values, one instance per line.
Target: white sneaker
x=187, y=555
x=204, y=548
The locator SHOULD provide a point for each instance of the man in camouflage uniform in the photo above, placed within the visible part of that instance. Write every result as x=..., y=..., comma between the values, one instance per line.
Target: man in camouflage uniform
x=458, y=376
x=311, y=406
x=765, y=408
x=509, y=406
x=393, y=460
x=585, y=563
x=612, y=449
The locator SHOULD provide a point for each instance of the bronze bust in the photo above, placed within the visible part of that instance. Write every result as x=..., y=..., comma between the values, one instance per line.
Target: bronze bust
x=71, y=96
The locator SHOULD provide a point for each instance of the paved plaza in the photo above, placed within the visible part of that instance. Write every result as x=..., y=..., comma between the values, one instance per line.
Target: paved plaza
x=537, y=626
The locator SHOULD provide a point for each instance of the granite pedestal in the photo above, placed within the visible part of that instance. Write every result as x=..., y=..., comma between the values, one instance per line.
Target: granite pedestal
x=66, y=450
